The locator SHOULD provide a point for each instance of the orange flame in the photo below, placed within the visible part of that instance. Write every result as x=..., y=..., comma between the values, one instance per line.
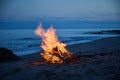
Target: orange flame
x=54, y=50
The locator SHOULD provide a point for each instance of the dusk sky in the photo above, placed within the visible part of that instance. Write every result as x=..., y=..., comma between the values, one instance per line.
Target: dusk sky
x=88, y=9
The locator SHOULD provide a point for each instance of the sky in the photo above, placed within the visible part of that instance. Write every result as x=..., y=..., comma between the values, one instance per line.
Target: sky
x=84, y=9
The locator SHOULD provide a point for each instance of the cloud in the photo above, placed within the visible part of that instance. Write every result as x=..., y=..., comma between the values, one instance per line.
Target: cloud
x=109, y=14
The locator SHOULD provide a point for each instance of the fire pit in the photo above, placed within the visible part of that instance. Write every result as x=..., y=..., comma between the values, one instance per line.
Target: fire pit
x=54, y=51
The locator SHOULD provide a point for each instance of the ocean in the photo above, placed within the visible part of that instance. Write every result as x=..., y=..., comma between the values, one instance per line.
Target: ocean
x=24, y=41
x=19, y=36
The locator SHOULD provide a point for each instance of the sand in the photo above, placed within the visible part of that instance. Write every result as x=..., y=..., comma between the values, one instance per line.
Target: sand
x=98, y=60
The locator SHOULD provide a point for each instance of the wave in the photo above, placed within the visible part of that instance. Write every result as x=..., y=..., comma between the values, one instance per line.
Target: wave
x=28, y=38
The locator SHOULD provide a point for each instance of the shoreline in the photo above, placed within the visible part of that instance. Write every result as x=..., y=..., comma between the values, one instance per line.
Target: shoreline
x=99, y=59
x=88, y=48
x=21, y=53
x=99, y=45
x=81, y=47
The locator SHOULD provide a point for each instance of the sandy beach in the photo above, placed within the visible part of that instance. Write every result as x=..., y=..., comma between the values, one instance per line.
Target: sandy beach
x=98, y=60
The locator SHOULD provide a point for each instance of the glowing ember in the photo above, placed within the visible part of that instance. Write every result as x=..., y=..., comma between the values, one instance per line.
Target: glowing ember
x=54, y=50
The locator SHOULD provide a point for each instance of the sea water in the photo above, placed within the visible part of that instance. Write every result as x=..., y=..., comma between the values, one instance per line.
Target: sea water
x=24, y=41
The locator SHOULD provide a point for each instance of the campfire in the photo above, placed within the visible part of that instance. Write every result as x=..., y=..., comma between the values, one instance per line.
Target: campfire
x=54, y=51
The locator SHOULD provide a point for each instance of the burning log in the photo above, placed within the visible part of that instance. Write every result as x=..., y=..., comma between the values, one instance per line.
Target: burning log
x=54, y=50
x=57, y=56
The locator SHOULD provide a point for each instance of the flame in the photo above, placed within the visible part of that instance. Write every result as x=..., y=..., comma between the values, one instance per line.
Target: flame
x=54, y=50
